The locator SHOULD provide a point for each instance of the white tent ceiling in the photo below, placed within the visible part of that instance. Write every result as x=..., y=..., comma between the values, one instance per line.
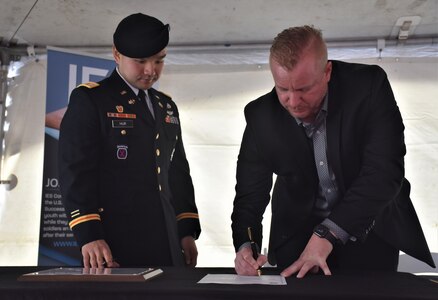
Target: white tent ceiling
x=212, y=24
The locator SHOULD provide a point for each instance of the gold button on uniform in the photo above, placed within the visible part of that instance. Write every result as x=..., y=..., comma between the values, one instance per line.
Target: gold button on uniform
x=157, y=151
x=123, y=132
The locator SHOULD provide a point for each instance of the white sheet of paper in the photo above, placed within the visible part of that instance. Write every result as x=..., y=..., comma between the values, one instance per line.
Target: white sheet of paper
x=238, y=279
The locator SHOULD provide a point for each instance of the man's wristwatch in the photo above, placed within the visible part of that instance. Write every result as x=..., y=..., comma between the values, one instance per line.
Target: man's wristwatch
x=324, y=232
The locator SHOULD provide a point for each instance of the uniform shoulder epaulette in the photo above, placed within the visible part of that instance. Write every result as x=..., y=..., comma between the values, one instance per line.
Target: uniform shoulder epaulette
x=90, y=85
x=166, y=94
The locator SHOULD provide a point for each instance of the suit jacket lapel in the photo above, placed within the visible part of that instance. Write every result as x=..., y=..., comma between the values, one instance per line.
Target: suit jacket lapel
x=334, y=130
x=296, y=144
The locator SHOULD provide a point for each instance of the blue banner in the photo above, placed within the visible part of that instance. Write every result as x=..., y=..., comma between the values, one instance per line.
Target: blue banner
x=65, y=70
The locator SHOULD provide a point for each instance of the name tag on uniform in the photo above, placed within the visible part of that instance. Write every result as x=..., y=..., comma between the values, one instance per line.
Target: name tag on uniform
x=123, y=123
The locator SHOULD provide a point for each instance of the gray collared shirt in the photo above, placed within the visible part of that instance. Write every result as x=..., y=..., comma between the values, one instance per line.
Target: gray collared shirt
x=328, y=194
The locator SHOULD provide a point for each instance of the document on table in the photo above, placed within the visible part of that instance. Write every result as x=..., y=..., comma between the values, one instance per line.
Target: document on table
x=239, y=279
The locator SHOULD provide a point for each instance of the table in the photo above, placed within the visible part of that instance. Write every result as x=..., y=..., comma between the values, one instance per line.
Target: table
x=181, y=284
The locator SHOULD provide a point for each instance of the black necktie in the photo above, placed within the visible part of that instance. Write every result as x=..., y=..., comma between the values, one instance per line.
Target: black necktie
x=142, y=97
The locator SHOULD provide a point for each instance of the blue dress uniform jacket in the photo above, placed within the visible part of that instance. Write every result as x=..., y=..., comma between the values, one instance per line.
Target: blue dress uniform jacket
x=125, y=177
x=365, y=148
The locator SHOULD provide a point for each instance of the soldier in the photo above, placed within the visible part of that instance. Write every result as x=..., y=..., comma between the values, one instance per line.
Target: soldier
x=124, y=176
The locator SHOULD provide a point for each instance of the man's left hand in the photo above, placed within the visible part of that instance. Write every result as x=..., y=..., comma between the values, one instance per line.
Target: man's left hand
x=313, y=258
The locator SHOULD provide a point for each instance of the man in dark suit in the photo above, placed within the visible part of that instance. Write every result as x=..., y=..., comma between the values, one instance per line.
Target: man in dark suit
x=332, y=133
x=124, y=176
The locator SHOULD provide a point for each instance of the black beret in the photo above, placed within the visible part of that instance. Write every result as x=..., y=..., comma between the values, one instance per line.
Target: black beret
x=141, y=36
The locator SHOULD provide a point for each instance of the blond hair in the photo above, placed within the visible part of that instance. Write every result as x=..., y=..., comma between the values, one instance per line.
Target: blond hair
x=290, y=44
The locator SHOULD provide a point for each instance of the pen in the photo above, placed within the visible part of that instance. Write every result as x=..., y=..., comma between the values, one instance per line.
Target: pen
x=255, y=254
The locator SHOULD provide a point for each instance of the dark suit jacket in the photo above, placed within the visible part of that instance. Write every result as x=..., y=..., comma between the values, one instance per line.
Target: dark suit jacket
x=115, y=165
x=365, y=148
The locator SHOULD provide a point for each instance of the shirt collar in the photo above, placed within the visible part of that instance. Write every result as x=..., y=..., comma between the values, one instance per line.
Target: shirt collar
x=322, y=112
x=134, y=89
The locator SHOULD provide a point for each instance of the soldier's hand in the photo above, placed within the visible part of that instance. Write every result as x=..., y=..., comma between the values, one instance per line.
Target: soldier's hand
x=190, y=251
x=97, y=254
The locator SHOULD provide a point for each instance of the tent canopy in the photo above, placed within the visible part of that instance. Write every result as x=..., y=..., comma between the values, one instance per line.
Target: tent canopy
x=216, y=25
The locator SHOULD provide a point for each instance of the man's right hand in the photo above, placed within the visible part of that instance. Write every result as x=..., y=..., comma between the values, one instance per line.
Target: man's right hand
x=97, y=254
x=245, y=264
